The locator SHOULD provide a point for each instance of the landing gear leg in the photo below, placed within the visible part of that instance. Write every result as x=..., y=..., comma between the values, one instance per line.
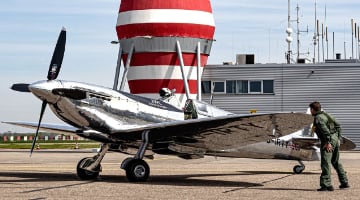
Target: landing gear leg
x=137, y=170
x=89, y=168
x=298, y=169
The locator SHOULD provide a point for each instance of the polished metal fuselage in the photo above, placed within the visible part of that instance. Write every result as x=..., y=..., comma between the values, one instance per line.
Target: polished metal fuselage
x=103, y=109
x=108, y=111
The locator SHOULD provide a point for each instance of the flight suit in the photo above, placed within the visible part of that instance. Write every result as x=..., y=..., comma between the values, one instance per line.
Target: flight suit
x=329, y=131
x=190, y=110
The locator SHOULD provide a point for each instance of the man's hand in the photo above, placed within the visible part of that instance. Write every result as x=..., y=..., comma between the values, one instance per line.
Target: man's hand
x=328, y=147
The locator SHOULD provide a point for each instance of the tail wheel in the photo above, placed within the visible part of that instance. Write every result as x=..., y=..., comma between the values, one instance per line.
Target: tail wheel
x=298, y=169
x=86, y=174
x=137, y=170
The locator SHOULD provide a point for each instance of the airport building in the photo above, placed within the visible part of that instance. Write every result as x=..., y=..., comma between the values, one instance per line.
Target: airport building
x=242, y=87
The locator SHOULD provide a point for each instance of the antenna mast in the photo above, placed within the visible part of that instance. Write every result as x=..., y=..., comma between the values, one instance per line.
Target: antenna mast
x=298, y=32
x=358, y=41
x=352, y=38
x=322, y=40
x=315, y=36
x=288, y=38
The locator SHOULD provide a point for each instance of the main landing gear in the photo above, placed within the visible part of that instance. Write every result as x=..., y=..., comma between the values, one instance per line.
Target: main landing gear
x=298, y=169
x=89, y=168
x=137, y=170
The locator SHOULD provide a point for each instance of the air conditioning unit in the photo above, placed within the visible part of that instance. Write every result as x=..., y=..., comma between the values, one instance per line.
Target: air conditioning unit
x=244, y=59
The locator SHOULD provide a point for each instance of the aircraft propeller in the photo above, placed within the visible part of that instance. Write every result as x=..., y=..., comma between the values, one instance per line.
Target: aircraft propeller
x=55, y=63
x=53, y=73
x=58, y=56
x=20, y=87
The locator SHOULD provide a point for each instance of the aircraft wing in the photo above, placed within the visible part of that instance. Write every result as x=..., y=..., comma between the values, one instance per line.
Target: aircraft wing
x=209, y=133
x=64, y=129
x=53, y=128
x=219, y=133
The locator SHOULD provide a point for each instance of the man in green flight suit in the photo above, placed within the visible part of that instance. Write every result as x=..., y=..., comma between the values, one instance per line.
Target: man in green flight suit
x=328, y=131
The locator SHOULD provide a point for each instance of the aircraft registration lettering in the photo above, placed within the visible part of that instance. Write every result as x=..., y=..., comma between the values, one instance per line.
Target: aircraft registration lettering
x=156, y=103
x=284, y=144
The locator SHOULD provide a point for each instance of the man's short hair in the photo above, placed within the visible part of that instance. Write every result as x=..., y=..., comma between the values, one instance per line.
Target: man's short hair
x=316, y=106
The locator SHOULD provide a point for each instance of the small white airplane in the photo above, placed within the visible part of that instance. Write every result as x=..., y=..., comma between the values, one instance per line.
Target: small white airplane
x=143, y=127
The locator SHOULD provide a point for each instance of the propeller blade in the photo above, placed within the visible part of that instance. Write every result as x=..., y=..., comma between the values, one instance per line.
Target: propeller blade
x=57, y=57
x=20, y=87
x=43, y=106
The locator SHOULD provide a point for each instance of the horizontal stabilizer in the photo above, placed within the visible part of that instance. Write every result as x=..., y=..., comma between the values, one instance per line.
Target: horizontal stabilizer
x=347, y=144
x=307, y=143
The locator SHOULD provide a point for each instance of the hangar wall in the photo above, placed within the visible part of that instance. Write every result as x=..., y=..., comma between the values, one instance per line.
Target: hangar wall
x=335, y=85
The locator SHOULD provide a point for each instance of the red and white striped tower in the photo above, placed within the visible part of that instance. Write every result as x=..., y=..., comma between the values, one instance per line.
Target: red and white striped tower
x=164, y=43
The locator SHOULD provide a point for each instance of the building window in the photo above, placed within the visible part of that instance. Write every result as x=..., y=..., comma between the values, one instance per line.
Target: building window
x=206, y=87
x=242, y=87
x=230, y=87
x=236, y=87
x=239, y=86
x=255, y=86
x=219, y=86
x=268, y=86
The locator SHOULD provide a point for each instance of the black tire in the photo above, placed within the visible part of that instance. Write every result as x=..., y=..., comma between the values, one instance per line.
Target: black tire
x=137, y=170
x=86, y=174
x=298, y=169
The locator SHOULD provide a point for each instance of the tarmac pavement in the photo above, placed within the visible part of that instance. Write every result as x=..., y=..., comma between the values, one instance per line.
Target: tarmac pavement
x=52, y=175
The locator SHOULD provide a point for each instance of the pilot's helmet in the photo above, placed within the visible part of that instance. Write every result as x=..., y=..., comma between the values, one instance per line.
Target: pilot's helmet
x=165, y=92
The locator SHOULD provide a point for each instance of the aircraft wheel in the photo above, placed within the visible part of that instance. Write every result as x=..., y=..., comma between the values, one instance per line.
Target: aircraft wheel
x=86, y=174
x=298, y=169
x=137, y=170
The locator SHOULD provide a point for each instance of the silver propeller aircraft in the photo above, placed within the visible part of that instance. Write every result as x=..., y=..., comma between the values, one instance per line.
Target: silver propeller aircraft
x=143, y=127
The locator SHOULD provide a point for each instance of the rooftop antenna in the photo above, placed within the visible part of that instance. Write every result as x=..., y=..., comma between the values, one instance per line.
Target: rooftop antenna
x=315, y=36
x=299, y=31
x=327, y=43
x=333, y=44
x=356, y=46
x=323, y=35
x=344, y=43
x=358, y=42
x=322, y=40
x=318, y=37
x=352, y=38
x=289, y=39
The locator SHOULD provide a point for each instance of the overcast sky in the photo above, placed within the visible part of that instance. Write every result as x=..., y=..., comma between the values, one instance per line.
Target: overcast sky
x=29, y=30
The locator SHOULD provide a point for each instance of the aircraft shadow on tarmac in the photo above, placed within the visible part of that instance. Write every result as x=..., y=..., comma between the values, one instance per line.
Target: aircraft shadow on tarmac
x=273, y=172
x=199, y=180
x=176, y=180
